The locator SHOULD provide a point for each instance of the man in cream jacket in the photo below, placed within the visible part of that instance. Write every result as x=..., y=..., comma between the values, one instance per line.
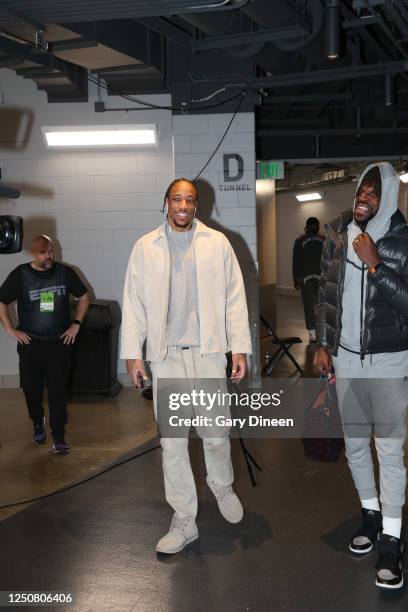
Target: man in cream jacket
x=184, y=295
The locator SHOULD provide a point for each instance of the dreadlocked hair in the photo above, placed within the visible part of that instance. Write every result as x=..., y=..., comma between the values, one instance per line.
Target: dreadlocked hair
x=179, y=180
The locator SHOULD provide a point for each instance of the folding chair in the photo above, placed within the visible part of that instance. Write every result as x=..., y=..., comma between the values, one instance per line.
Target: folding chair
x=284, y=345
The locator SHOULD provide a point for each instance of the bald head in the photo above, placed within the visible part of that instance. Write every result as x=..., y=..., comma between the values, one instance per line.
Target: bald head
x=42, y=251
x=40, y=242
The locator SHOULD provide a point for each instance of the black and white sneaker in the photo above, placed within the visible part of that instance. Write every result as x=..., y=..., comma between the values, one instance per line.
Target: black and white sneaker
x=363, y=540
x=390, y=563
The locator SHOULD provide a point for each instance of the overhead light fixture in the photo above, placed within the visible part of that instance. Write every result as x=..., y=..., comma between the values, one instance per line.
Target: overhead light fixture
x=308, y=197
x=100, y=136
x=404, y=177
x=332, y=26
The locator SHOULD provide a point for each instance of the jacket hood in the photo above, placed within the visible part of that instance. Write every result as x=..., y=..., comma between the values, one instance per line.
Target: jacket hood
x=390, y=184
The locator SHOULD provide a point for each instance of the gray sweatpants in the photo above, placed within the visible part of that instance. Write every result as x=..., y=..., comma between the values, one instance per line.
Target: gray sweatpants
x=373, y=397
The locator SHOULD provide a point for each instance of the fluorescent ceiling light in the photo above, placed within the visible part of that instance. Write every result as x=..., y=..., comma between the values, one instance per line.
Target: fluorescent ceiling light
x=404, y=177
x=308, y=197
x=100, y=136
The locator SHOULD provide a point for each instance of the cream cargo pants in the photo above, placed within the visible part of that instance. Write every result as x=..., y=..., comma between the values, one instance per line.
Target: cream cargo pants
x=180, y=489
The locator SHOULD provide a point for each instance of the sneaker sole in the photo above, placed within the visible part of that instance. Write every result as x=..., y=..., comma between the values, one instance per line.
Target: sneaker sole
x=41, y=441
x=58, y=452
x=358, y=551
x=176, y=550
x=383, y=585
x=230, y=521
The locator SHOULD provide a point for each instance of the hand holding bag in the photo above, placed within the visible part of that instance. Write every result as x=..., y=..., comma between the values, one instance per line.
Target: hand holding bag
x=323, y=433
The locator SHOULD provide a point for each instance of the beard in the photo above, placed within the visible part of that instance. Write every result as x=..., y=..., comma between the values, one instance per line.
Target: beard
x=185, y=224
x=46, y=265
x=363, y=223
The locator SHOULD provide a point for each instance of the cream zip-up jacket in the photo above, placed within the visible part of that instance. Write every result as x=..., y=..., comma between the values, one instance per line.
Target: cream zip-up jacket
x=222, y=306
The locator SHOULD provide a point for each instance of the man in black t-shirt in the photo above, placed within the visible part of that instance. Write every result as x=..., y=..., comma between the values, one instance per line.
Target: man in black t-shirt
x=45, y=333
x=307, y=252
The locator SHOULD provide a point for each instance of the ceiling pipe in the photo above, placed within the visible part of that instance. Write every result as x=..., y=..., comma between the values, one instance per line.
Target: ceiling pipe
x=389, y=90
x=309, y=98
x=398, y=131
x=396, y=18
x=323, y=76
x=332, y=27
x=358, y=118
x=386, y=30
x=272, y=13
x=402, y=8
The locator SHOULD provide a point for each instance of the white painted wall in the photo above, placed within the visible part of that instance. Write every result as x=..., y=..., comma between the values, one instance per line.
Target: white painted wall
x=292, y=215
x=95, y=204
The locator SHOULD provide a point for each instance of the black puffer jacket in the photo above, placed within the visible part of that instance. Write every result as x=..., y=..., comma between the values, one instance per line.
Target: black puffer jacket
x=385, y=326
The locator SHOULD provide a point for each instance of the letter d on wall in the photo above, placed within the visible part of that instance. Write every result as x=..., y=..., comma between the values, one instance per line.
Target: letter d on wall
x=228, y=177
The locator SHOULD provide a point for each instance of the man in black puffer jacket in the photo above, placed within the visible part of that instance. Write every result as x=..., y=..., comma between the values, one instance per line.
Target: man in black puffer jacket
x=307, y=252
x=362, y=332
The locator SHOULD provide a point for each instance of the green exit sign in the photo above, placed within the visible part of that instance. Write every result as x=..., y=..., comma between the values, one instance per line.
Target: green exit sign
x=270, y=170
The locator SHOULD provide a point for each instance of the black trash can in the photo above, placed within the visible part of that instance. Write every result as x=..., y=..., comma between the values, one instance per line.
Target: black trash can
x=93, y=373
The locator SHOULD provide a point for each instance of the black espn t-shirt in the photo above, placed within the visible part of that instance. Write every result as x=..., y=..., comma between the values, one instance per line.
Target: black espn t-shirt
x=42, y=298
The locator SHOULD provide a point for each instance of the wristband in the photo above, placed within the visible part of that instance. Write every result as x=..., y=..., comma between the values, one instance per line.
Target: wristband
x=373, y=269
x=77, y=322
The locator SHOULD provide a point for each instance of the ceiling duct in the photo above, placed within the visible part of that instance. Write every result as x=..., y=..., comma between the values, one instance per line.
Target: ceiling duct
x=224, y=25
x=274, y=13
x=267, y=14
x=50, y=11
x=279, y=55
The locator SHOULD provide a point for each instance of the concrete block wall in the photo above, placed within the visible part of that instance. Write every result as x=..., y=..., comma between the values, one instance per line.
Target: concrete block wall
x=229, y=207
x=195, y=139
x=95, y=203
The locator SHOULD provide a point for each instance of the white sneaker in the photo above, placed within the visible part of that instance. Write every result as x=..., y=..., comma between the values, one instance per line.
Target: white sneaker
x=228, y=502
x=312, y=335
x=182, y=532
